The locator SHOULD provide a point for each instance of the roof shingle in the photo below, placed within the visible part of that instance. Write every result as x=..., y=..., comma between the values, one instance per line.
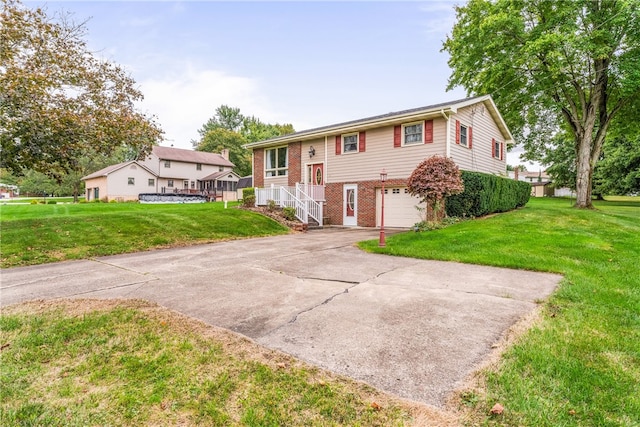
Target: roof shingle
x=190, y=156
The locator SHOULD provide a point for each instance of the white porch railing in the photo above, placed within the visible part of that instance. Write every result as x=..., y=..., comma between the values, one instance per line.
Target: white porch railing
x=306, y=199
x=315, y=192
x=263, y=195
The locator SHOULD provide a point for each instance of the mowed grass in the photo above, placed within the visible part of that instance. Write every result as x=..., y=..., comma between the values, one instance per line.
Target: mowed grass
x=37, y=234
x=580, y=363
x=130, y=363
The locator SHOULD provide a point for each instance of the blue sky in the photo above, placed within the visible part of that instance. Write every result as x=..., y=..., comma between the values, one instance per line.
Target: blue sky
x=305, y=63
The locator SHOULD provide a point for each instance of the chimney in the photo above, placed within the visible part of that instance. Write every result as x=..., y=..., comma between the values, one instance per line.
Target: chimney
x=225, y=153
x=515, y=173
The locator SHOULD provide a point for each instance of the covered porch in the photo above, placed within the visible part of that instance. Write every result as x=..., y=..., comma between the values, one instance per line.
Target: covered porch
x=220, y=186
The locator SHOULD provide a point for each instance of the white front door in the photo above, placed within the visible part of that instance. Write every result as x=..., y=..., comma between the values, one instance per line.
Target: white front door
x=350, y=205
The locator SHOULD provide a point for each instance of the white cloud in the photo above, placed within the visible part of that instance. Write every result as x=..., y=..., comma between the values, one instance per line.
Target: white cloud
x=440, y=17
x=185, y=101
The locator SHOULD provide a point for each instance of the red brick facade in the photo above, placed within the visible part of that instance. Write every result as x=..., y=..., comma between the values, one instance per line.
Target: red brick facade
x=366, y=208
x=258, y=167
x=295, y=161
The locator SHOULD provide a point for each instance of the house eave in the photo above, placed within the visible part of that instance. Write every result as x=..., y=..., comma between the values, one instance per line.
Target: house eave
x=359, y=126
x=434, y=111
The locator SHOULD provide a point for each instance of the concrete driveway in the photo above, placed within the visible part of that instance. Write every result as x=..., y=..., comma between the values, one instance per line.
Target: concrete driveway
x=410, y=327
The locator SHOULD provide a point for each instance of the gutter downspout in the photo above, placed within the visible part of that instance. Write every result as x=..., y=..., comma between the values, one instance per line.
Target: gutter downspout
x=447, y=134
x=326, y=159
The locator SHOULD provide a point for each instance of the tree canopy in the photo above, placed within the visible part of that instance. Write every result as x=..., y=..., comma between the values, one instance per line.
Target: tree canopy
x=552, y=66
x=230, y=129
x=619, y=170
x=58, y=101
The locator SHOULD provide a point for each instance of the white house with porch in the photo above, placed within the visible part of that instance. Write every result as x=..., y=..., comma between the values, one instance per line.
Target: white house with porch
x=166, y=170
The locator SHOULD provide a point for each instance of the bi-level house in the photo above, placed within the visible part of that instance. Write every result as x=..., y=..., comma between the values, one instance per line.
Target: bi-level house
x=331, y=174
x=165, y=170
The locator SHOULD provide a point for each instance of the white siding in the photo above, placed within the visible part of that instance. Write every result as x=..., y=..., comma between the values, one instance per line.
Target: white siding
x=484, y=129
x=100, y=183
x=380, y=153
x=118, y=187
x=276, y=181
x=319, y=157
x=180, y=170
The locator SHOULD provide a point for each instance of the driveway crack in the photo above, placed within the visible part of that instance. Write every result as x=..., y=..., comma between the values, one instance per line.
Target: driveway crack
x=307, y=310
x=326, y=301
x=137, y=284
x=119, y=267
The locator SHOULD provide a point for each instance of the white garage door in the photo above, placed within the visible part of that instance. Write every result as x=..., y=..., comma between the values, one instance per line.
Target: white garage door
x=399, y=208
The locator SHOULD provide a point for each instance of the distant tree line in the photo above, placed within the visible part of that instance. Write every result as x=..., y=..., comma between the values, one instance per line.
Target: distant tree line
x=230, y=129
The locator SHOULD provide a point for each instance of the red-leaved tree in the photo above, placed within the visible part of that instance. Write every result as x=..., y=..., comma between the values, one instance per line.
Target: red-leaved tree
x=433, y=180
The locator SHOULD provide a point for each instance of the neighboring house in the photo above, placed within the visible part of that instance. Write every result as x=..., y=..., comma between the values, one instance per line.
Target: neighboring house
x=165, y=170
x=541, y=184
x=338, y=166
x=8, y=191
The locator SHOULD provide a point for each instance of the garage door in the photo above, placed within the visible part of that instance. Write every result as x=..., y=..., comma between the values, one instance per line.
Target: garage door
x=399, y=208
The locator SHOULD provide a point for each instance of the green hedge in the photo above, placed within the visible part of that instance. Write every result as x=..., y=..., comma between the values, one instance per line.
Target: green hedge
x=249, y=191
x=485, y=194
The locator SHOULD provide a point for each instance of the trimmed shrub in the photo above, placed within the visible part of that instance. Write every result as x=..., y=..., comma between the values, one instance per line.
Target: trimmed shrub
x=250, y=191
x=485, y=194
x=434, y=179
x=249, y=201
x=289, y=213
x=52, y=202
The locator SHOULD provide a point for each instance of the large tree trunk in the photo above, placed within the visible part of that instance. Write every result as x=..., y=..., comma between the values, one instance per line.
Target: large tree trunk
x=76, y=191
x=583, y=182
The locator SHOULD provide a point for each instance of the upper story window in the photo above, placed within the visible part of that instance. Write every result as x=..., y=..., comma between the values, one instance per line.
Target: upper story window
x=198, y=166
x=464, y=141
x=220, y=168
x=497, y=152
x=412, y=133
x=463, y=135
x=350, y=143
x=276, y=161
x=131, y=181
x=167, y=163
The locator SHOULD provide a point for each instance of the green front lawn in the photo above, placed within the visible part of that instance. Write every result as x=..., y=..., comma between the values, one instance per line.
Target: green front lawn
x=37, y=234
x=580, y=364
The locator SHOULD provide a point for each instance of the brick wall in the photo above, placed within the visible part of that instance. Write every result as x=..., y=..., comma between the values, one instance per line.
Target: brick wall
x=258, y=165
x=333, y=206
x=366, y=200
x=295, y=163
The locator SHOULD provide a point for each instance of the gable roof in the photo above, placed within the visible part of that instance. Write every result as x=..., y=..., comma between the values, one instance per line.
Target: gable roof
x=190, y=156
x=392, y=118
x=110, y=169
x=219, y=174
x=245, y=182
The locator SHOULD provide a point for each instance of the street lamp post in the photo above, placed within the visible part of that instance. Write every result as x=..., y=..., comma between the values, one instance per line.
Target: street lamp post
x=383, y=178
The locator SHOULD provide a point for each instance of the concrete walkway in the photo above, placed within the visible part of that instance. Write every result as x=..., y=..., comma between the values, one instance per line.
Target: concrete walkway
x=410, y=327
